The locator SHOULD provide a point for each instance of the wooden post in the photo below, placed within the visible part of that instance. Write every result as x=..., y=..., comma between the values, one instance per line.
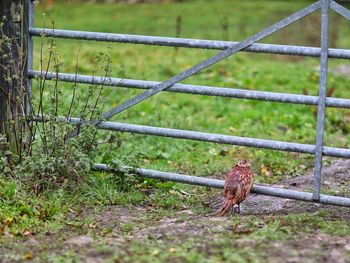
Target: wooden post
x=13, y=68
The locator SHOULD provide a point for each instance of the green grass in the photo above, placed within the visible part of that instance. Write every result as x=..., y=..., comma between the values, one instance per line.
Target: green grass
x=255, y=119
x=22, y=211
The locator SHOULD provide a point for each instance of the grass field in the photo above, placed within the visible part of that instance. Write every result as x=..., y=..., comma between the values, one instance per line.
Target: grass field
x=255, y=119
x=51, y=212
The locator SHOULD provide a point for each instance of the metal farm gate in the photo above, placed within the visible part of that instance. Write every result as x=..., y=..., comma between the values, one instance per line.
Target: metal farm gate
x=171, y=85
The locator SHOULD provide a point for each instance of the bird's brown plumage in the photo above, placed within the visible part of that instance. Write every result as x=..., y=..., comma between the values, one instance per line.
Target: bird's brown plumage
x=238, y=184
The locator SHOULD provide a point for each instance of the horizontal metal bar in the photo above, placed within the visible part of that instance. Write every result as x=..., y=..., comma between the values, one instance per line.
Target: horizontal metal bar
x=196, y=89
x=214, y=183
x=189, y=43
x=221, y=55
x=212, y=137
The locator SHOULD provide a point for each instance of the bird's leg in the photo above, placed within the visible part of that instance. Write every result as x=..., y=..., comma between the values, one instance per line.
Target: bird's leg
x=238, y=208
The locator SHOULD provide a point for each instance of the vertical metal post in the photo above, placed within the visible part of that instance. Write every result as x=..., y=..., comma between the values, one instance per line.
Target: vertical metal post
x=322, y=100
x=29, y=7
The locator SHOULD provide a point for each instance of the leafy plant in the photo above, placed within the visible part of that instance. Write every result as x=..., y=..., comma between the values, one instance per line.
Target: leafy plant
x=48, y=157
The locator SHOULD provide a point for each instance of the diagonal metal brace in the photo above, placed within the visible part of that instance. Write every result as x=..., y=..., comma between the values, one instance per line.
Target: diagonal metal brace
x=341, y=10
x=205, y=64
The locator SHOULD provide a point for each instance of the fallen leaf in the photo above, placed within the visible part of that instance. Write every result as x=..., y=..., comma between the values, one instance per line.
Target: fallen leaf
x=155, y=252
x=106, y=231
x=8, y=221
x=26, y=233
x=92, y=225
x=184, y=192
x=27, y=256
x=172, y=250
x=265, y=170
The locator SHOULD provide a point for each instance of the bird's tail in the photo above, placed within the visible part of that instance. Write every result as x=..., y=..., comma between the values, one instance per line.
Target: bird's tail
x=225, y=207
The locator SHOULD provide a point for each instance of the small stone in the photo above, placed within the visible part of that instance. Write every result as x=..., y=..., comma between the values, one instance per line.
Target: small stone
x=187, y=212
x=218, y=229
x=341, y=242
x=218, y=219
x=32, y=242
x=168, y=220
x=327, y=183
x=80, y=241
x=335, y=253
x=293, y=260
x=347, y=247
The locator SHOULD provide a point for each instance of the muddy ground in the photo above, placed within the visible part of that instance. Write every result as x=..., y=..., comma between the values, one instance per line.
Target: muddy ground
x=109, y=234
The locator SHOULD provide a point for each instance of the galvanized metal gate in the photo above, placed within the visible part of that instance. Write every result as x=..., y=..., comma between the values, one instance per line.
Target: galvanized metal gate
x=228, y=48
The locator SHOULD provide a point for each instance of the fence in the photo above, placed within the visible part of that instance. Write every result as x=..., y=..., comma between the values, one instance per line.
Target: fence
x=171, y=85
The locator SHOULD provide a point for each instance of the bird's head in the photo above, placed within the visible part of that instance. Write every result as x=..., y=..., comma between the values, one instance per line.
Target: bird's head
x=243, y=163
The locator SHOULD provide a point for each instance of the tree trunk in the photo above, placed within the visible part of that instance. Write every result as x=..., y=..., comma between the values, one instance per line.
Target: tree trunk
x=13, y=69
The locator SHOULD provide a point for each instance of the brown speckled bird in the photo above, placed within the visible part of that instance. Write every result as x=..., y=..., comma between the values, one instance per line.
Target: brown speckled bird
x=238, y=184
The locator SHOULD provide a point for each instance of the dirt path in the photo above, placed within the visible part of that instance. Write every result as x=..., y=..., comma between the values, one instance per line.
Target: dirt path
x=335, y=178
x=114, y=233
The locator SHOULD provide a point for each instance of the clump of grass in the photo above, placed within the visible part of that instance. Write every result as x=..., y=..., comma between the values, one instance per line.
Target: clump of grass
x=22, y=213
x=46, y=158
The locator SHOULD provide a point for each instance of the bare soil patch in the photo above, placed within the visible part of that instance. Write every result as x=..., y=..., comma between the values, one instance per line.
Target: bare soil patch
x=99, y=235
